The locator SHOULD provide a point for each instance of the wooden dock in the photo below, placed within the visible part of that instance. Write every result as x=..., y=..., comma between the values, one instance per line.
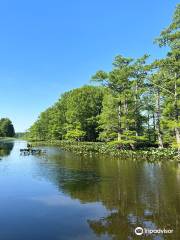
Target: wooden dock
x=31, y=151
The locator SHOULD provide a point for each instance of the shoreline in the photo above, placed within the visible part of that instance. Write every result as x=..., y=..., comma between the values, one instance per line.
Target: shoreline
x=7, y=138
x=99, y=148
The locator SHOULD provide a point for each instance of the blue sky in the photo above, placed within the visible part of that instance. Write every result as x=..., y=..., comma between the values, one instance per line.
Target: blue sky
x=48, y=47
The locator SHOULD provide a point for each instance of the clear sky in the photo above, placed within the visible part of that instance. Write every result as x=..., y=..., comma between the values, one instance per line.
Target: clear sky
x=48, y=47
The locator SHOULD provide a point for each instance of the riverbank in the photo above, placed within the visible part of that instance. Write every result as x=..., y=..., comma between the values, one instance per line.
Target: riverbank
x=2, y=139
x=91, y=148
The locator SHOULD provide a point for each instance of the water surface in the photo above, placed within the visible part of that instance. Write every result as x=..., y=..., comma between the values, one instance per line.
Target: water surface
x=61, y=196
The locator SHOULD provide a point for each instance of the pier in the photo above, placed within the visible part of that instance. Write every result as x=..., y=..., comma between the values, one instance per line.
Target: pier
x=31, y=151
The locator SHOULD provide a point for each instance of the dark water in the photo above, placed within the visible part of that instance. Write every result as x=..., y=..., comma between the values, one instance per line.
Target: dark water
x=66, y=197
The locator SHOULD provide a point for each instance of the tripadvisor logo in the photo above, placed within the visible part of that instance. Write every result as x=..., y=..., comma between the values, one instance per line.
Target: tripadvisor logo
x=139, y=231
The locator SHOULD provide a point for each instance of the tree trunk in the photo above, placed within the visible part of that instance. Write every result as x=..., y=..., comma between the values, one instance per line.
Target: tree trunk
x=119, y=121
x=136, y=110
x=154, y=126
x=177, y=131
x=158, y=115
x=149, y=127
x=126, y=114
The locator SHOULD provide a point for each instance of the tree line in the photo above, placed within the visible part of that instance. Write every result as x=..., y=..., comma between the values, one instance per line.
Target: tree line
x=136, y=103
x=6, y=128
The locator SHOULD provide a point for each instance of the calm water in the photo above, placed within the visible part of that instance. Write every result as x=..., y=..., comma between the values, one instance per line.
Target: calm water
x=66, y=197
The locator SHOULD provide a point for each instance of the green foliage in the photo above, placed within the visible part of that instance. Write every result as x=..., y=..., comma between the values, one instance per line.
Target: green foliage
x=169, y=68
x=83, y=106
x=75, y=134
x=112, y=150
x=122, y=116
x=74, y=116
x=6, y=128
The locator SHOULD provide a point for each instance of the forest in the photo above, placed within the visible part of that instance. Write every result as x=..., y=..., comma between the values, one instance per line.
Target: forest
x=135, y=105
x=6, y=128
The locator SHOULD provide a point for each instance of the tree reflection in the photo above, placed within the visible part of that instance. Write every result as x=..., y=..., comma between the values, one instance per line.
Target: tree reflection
x=134, y=193
x=6, y=148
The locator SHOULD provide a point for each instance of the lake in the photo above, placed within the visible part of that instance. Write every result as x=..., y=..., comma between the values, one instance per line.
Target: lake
x=63, y=196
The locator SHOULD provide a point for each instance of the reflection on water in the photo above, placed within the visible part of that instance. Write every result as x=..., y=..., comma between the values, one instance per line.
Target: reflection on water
x=63, y=196
x=6, y=148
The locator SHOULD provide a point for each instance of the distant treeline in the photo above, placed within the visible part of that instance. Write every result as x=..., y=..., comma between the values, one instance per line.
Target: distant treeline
x=6, y=128
x=20, y=134
x=135, y=103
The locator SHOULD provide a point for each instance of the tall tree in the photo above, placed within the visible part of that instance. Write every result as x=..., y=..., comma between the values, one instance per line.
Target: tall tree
x=126, y=84
x=83, y=108
x=170, y=67
x=156, y=102
x=6, y=128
